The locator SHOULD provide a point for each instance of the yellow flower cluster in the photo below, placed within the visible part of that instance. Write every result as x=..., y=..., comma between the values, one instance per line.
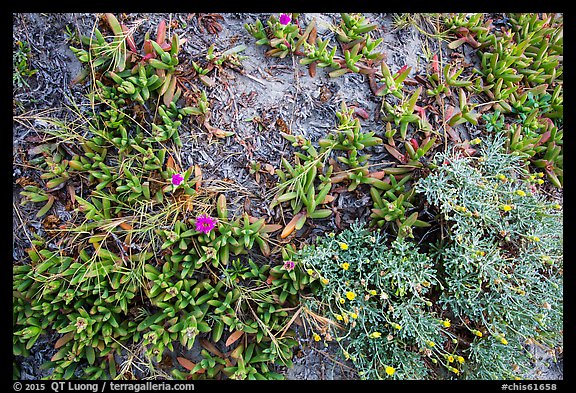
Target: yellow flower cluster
x=350, y=295
x=537, y=181
x=390, y=370
x=344, y=246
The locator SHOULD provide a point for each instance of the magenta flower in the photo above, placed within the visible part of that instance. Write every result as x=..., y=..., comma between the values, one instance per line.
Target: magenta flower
x=285, y=19
x=289, y=265
x=205, y=223
x=177, y=179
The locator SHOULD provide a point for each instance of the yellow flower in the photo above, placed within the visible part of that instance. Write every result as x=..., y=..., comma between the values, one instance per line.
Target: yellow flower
x=506, y=208
x=342, y=300
x=338, y=317
x=446, y=323
x=324, y=281
x=396, y=326
x=450, y=358
x=350, y=295
x=460, y=359
x=540, y=174
x=454, y=370
x=475, y=141
x=390, y=370
x=310, y=272
x=353, y=315
x=556, y=206
x=459, y=208
x=476, y=332
x=344, y=246
x=503, y=341
x=372, y=292
x=520, y=193
x=540, y=181
x=345, y=265
x=431, y=343
x=534, y=238
x=375, y=334
x=502, y=177
x=317, y=337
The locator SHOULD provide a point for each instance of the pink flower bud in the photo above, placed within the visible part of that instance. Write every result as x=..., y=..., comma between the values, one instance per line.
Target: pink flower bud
x=177, y=179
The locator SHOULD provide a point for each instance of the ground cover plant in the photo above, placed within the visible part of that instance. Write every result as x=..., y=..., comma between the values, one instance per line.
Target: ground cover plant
x=419, y=238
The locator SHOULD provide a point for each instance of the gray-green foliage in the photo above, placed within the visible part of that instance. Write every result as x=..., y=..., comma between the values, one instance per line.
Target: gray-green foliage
x=390, y=312
x=502, y=260
x=465, y=306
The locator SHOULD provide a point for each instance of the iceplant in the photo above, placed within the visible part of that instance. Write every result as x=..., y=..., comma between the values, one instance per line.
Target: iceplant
x=179, y=180
x=205, y=224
